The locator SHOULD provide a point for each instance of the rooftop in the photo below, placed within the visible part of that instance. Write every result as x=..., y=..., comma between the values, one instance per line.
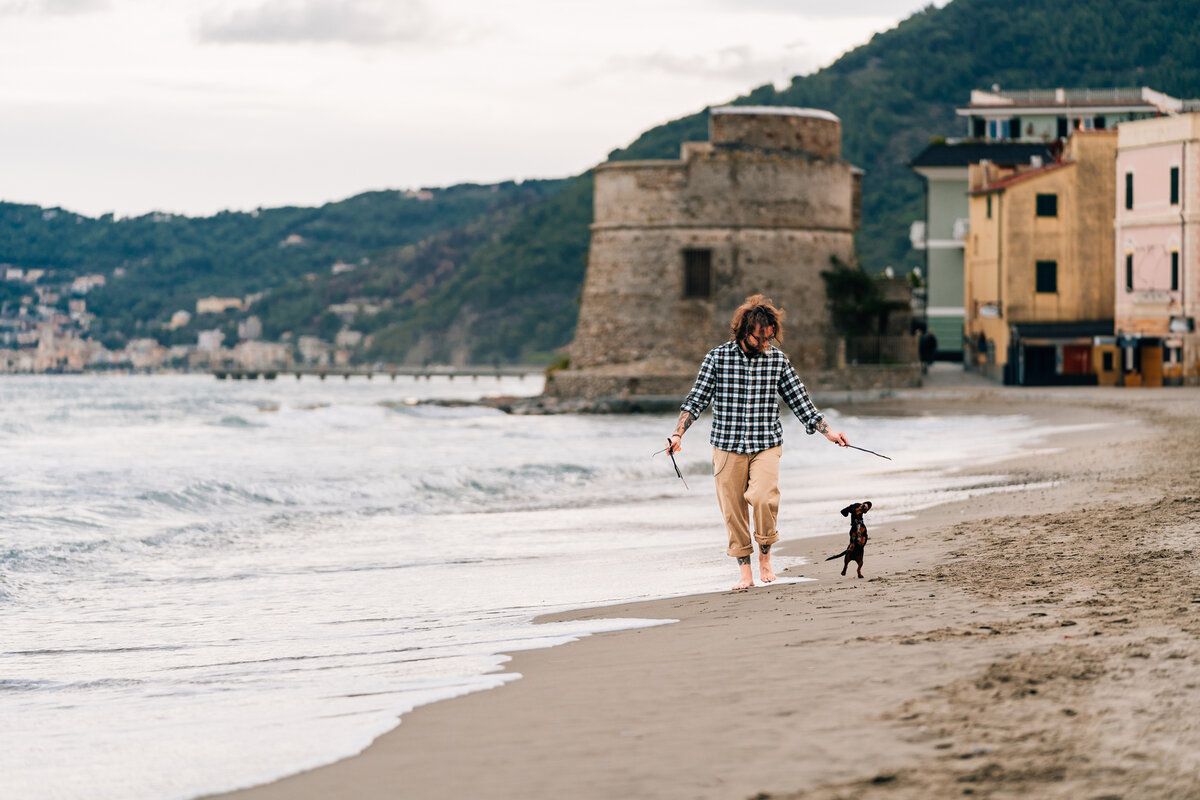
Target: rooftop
x=962, y=154
x=1127, y=97
x=1019, y=177
x=786, y=111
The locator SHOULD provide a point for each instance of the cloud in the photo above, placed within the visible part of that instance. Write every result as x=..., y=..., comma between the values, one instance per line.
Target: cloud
x=822, y=9
x=738, y=63
x=52, y=8
x=359, y=22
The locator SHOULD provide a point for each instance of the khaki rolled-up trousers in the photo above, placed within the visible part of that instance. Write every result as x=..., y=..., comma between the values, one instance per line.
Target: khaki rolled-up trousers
x=745, y=484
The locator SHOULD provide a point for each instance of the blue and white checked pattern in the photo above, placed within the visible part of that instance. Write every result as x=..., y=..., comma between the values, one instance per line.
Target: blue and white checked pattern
x=744, y=392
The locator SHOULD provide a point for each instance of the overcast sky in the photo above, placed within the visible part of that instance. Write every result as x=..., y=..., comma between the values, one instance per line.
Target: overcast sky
x=194, y=106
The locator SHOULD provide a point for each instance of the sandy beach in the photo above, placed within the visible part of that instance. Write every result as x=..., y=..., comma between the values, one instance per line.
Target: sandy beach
x=1037, y=641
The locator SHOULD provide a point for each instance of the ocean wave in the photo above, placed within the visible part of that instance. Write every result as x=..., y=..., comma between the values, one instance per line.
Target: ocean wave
x=448, y=412
x=234, y=421
x=206, y=494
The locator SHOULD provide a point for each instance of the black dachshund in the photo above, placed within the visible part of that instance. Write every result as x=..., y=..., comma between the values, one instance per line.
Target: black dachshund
x=858, y=535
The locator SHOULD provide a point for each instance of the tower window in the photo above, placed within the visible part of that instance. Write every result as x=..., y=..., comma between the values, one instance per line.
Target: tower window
x=1174, y=270
x=697, y=273
x=1174, y=186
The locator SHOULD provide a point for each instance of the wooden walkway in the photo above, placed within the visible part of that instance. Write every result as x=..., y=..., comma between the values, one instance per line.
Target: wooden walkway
x=388, y=371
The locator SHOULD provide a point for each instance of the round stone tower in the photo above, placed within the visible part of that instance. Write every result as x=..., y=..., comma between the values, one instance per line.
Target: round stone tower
x=677, y=245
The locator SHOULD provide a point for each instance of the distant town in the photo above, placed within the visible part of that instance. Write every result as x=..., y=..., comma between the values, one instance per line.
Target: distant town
x=47, y=331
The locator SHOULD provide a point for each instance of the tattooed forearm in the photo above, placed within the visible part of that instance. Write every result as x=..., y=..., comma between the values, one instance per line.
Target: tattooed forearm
x=685, y=422
x=822, y=427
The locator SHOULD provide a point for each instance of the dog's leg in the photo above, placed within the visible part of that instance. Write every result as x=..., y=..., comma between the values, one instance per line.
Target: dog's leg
x=846, y=565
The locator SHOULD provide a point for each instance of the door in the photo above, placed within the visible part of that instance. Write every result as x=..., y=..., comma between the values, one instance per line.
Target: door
x=1040, y=365
x=1152, y=364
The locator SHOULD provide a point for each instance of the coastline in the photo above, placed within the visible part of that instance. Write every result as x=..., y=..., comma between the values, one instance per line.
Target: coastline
x=992, y=646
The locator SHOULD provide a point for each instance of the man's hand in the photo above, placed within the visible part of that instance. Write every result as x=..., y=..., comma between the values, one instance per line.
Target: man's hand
x=837, y=437
x=674, y=443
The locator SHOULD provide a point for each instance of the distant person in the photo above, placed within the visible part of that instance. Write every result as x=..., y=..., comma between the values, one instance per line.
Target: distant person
x=744, y=379
x=928, y=349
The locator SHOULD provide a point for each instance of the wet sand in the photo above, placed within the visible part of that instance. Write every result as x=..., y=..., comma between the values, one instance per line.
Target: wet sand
x=1042, y=641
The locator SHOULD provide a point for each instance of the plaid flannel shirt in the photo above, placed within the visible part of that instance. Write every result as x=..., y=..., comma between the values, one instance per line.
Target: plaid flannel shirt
x=744, y=391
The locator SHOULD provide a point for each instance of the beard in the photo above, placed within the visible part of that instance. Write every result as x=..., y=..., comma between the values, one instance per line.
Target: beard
x=752, y=350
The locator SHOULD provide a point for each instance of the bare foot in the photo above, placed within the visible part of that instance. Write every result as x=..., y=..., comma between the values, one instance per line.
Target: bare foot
x=764, y=569
x=747, y=578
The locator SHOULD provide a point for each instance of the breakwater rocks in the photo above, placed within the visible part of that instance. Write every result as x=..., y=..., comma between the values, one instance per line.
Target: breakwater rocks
x=570, y=405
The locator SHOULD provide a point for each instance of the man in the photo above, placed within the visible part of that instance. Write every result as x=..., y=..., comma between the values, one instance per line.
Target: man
x=743, y=378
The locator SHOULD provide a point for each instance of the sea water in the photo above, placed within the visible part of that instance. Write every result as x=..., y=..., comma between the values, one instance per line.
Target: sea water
x=209, y=584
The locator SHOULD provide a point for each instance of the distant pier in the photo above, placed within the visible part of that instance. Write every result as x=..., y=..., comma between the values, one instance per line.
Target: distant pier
x=389, y=371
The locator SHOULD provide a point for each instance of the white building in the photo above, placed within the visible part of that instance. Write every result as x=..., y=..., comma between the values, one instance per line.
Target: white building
x=210, y=341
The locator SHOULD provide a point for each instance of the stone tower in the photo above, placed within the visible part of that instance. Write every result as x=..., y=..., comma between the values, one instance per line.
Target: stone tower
x=677, y=245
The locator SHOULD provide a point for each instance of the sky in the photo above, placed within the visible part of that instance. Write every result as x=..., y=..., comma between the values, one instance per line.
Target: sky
x=197, y=106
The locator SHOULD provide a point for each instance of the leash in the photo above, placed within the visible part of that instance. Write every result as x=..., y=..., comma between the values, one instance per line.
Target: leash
x=872, y=452
x=667, y=450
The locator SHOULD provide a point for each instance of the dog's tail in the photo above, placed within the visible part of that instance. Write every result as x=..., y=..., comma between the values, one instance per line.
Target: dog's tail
x=839, y=555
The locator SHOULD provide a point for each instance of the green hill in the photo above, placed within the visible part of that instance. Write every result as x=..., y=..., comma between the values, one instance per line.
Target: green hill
x=157, y=264
x=494, y=273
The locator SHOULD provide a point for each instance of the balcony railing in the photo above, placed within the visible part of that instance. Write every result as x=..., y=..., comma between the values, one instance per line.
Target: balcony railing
x=1109, y=95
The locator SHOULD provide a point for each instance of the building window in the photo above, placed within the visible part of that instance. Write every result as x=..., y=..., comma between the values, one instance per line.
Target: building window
x=1108, y=361
x=1047, y=277
x=1100, y=123
x=989, y=206
x=1014, y=128
x=697, y=273
x=978, y=127
x=1128, y=190
x=1129, y=272
x=1047, y=205
x=1062, y=128
x=1175, y=271
x=1174, y=186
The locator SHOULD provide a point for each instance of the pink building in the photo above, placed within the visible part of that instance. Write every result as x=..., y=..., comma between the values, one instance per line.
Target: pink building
x=1157, y=229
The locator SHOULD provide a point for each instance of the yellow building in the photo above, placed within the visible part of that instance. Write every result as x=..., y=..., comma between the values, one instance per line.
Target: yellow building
x=1038, y=285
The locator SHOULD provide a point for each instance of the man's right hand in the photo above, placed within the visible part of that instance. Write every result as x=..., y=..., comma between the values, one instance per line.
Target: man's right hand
x=674, y=443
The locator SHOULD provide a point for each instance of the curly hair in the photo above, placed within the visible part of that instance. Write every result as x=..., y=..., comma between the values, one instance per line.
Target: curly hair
x=757, y=310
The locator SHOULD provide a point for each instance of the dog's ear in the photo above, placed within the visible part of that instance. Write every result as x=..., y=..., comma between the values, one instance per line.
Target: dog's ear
x=846, y=511
x=866, y=504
